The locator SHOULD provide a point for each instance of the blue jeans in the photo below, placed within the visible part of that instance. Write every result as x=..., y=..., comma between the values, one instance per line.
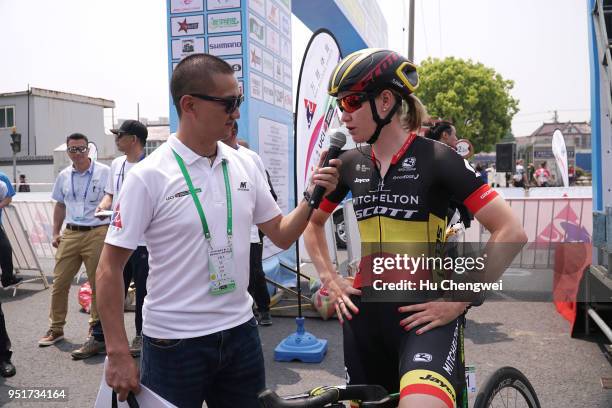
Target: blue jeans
x=225, y=369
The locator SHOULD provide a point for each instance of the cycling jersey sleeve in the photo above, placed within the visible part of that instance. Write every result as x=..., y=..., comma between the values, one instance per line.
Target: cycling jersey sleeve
x=461, y=180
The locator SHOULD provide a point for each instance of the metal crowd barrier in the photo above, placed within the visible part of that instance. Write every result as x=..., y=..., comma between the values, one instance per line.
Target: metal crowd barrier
x=24, y=257
x=548, y=221
x=37, y=218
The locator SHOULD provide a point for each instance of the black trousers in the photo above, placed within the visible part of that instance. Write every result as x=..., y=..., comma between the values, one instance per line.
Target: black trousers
x=6, y=256
x=257, y=279
x=137, y=268
x=5, y=342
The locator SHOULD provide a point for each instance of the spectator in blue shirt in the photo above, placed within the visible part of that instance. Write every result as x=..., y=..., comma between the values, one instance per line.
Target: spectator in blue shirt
x=7, y=369
x=6, y=253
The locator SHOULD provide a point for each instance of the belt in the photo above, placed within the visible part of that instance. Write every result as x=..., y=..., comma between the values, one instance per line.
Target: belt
x=73, y=227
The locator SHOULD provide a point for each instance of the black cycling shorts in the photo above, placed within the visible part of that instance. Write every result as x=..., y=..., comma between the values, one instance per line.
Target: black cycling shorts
x=377, y=350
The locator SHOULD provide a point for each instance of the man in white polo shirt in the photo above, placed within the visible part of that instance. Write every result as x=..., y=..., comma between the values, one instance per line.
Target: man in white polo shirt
x=195, y=200
x=130, y=138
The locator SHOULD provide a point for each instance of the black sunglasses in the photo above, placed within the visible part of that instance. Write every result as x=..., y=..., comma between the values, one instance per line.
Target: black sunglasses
x=77, y=149
x=231, y=104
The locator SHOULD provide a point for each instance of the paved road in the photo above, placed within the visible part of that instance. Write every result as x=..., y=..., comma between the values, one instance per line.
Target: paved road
x=530, y=336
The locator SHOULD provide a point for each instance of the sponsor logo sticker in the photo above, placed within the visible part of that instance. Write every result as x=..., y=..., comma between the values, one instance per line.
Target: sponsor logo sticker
x=310, y=111
x=422, y=357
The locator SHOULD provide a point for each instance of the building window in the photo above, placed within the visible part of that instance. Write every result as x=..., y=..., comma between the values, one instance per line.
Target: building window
x=7, y=117
x=152, y=145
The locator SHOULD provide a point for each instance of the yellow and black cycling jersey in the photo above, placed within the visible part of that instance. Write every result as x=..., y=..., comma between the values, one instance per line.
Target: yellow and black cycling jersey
x=410, y=203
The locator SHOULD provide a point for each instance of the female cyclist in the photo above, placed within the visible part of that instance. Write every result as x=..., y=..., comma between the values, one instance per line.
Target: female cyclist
x=401, y=185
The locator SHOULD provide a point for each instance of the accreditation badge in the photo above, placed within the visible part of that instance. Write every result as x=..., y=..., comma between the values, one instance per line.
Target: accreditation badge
x=80, y=211
x=222, y=270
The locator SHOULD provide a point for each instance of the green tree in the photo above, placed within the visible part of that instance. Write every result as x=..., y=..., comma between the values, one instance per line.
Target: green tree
x=474, y=97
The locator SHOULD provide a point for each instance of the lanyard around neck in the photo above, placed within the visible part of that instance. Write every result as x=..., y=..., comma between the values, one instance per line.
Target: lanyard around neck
x=196, y=200
x=121, y=175
x=93, y=167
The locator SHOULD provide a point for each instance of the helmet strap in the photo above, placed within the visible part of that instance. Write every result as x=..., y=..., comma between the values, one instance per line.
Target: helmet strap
x=380, y=123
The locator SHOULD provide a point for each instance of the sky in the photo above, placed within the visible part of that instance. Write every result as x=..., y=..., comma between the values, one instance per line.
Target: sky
x=117, y=49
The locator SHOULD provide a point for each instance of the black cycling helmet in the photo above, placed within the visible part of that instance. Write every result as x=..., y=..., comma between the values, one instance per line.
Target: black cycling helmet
x=370, y=71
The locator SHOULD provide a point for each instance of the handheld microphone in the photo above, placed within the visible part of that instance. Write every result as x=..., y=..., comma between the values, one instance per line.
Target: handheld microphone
x=336, y=143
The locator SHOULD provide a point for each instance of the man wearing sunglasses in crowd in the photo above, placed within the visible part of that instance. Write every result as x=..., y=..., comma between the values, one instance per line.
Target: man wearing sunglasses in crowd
x=401, y=185
x=78, y=190
x=130, y=139
x=195, y=199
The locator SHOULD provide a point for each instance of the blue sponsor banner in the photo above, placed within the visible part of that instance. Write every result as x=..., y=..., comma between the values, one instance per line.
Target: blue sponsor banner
x=254, y=37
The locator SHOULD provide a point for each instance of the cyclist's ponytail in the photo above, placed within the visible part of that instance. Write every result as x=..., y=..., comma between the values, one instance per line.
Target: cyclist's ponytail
x=413, y=113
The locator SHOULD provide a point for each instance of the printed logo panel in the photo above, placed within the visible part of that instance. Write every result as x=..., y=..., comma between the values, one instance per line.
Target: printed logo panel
x=268, y=91
x=285, y=49
x=225, y=45
x=279, y=93
x=224, y=22
x=188, y=25
x=183, y=47
x=273, y=13
x=186, y=6
x=256, y=85
x=256, y=58
x=287, y=75
x=288, y=100
x=236, y=64
x=286, y=24
x=222, y=4
x=278, y=70
x=258, y=6
x=257, y=29
x=268, y=64
x=273, y=40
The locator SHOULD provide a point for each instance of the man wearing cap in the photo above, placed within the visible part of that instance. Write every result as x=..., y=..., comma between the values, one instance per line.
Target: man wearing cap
x=130, y=139
x=77, y=191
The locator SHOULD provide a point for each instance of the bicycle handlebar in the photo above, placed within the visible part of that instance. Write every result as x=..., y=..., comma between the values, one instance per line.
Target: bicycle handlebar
x=369, y=395
x=269, y=399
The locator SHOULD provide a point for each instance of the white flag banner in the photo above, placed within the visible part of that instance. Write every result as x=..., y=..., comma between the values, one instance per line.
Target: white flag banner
x=316, y=111
x=560, y=153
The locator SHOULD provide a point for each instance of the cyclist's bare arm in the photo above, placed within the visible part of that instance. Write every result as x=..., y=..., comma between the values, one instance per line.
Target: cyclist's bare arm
x=316, y=245
x=499, y=219
x=507, y=236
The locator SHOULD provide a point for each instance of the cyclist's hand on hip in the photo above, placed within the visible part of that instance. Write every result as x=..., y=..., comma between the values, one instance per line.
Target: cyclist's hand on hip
x=340, y=290
x=431, y=314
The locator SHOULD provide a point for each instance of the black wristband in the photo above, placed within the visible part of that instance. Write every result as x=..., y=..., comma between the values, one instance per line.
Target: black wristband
x=307, y=196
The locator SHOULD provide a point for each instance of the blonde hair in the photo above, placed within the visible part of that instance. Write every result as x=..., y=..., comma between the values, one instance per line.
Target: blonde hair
x=413, y=113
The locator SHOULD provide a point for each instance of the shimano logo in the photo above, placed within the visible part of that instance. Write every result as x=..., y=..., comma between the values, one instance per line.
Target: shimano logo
x=362, y=180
